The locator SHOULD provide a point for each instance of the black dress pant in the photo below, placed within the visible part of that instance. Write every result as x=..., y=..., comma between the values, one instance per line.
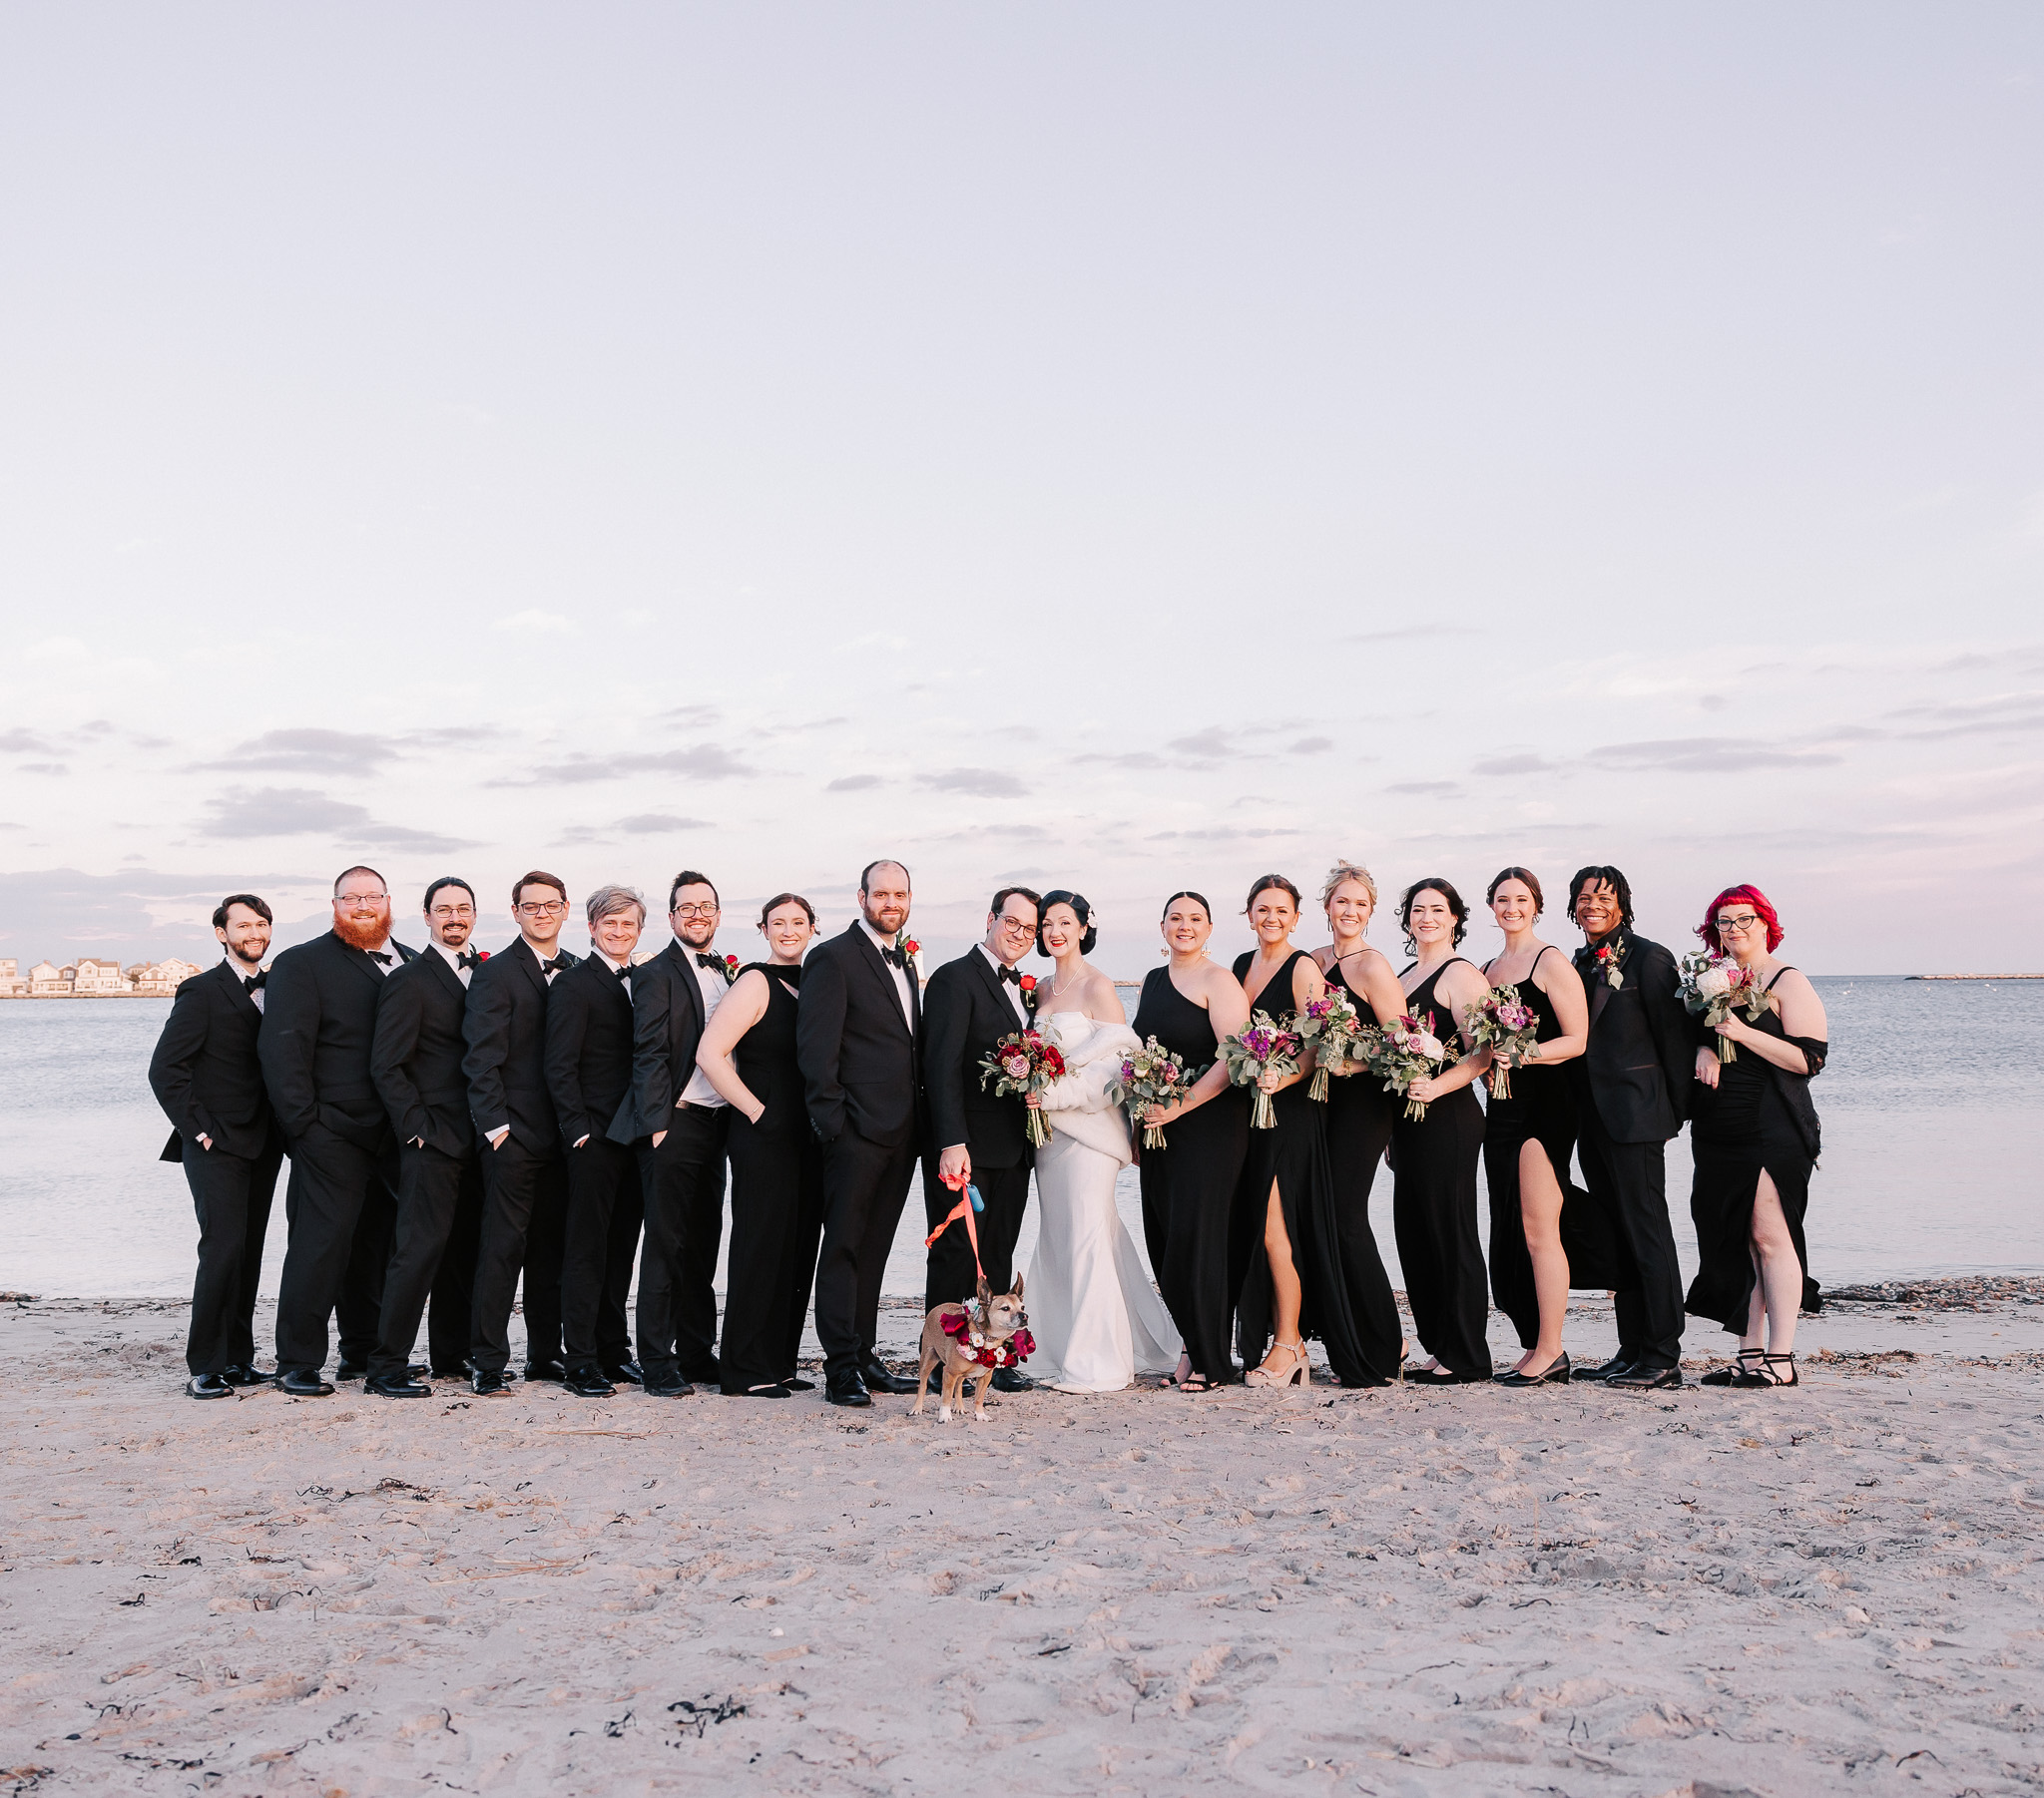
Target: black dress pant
x=604, y=1214
x=865, y=1189
x=1628, y=1184
x=949, y=1275
x=525, y=1202
x=231, y=1196
x=430, y=1188
x=339, y=1207
x=777, y=1213
x=450, y=1313
x=682, y=1184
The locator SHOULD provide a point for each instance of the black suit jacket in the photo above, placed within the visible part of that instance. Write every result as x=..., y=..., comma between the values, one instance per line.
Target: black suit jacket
x=667, y=1025
x=965, y=1012
x=858, y=1055
x=319, y=1030
x=506, y=1063
x=588, y=1048
x=206, y=1073
x=1641, y=1056
x=415, y=1057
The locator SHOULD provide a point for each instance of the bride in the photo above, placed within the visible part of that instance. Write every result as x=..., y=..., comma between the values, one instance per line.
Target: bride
x=1097, y=1319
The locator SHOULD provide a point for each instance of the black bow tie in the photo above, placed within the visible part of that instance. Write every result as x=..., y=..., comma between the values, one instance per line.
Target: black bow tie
x=624, y=973
x=256, y=982
x=1010, y=975
x=899, y=958
x=378, y=954
x=548, y=964
x=708, y=961
x=470, y=959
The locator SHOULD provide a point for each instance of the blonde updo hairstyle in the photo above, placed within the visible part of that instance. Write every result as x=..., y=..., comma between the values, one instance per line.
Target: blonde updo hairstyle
x=1345, y=869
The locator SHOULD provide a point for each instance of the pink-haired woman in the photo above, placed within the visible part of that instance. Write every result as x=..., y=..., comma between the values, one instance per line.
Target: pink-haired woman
x=1754, y=1133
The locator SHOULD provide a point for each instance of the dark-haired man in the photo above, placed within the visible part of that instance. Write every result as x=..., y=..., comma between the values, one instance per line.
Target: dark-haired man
x=1632, y=1093
x=415, y=1062
x=976, y=1138
x=856, y=1043
x=677, y=1120
x=209, y=1080
x=525, y=1181
x=319, y=1030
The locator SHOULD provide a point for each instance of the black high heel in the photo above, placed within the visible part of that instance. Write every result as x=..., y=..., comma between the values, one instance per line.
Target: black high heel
x=1738, y=1374
x=1556, y=1373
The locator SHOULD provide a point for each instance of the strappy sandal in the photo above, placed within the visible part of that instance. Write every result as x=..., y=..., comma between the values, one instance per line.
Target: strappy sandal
x=1737, y=1373
x=1301, y=1372
x=1775, y=1379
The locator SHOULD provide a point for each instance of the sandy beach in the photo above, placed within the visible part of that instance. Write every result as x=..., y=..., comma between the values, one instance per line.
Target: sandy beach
x=1573, y=1591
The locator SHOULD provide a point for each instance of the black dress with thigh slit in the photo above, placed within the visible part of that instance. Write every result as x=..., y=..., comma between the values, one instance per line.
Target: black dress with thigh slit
x=1189, y=1185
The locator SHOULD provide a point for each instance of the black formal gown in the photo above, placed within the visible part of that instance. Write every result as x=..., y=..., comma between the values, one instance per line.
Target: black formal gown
x=1433, y=1210
x=1758, y=1119
x=1293, y=1154
x=1359, y=1118
x=1541, y=1106
x=777, y=1200
x=1188, y=1186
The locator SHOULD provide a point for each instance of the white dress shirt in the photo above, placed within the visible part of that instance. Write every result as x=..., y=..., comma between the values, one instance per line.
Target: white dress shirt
x=545, y=973
x=386, y=947
x=885, y=945
x=234, y=962
x=616, y=967
x=698, y=1091
x=1013, y=992
x=454, y=960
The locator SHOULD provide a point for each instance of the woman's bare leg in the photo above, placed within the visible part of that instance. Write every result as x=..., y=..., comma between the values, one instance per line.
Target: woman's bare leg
x=1540, y=1212
x=1778, y=1287
x=1285, y=1290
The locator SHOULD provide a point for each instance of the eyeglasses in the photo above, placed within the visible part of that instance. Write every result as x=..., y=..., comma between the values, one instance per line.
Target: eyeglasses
x=359, y=898
x=695, y=911
x=544, y=908
x=452, y=911
x=1743, y=921
x=1017, y=927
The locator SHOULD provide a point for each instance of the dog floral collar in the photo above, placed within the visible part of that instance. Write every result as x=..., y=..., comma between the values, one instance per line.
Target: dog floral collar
x=976, y=1348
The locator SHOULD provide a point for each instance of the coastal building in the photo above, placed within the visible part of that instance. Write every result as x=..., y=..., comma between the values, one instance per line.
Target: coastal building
x=12, y=986
x=98, y=978
x=158, y=979
x=47, y=981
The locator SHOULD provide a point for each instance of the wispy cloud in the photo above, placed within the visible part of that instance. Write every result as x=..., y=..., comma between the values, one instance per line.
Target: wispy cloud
x=273, y=811
x=307, y=751
x=1710, y=755
x=1515, y=765
x=23, y=742
x=1312, y=745
x=707, y=762
x=981, y=783
x=1435, y=788
x=660, y=823
x=533, y=621
x=854, y=783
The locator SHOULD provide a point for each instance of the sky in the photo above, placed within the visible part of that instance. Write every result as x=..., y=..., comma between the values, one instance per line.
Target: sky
x=1116, y=448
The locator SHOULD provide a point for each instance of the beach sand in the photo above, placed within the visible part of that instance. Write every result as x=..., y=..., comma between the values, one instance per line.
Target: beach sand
x=1567, y=1591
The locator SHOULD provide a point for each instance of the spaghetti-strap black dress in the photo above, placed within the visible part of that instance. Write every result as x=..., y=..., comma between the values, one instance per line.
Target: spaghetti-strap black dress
x=1758, y=1119
x=1433, y=1211
x=777, y=1200
x=1293, y=1156
x=1189, y=1185
x=1541, y=1106
x=1359, y=1118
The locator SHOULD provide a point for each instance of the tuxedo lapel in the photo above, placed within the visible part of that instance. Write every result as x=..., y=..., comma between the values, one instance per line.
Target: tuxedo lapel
x=995, y=984
x=450, y=981
x=527, y=964
x=359, y=960
x=236, y=989
x=684, y=959
x=875, y=964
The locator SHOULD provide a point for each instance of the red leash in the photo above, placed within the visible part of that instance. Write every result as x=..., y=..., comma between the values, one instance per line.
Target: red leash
x=968, y=1201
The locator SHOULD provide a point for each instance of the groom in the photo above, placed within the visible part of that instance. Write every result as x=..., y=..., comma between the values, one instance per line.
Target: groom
x=978, y=1139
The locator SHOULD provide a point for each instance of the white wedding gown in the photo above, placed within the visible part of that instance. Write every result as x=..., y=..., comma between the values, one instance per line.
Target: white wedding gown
x=1097, y=1320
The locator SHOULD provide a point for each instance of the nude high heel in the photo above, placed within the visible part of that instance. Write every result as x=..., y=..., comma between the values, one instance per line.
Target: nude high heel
x=1300, y=1374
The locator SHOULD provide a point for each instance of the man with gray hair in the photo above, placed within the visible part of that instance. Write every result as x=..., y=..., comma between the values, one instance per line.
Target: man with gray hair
x=589, y=1074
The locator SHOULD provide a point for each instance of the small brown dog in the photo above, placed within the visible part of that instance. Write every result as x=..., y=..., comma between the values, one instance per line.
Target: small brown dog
x=972, y=1341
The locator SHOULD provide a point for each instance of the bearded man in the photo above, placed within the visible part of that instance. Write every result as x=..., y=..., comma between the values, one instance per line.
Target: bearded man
x=318, y=1033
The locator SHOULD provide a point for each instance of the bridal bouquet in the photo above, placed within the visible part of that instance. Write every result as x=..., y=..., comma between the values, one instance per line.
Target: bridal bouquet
x=1409, y=1051
x=1263, y=1048
x=1024, y=1063
x=1714, y=987
x=1331, y=1026
x=1504, y=1023
x=1149, y=1076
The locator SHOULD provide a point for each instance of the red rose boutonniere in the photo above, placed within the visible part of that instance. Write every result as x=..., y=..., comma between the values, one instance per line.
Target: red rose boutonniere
x=1610, y=956
x=482, y=955
x=731, y=970
x=1029, y=991
x=913, y=949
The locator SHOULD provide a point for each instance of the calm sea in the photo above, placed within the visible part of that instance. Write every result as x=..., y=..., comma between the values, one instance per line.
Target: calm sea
x=1933, y=1144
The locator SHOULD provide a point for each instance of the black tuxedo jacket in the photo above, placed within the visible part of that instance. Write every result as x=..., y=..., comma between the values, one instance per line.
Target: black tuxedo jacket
x=1641, y=1057
x=415, y=1057
x=318, y=1030
x=858, y=1055
x=506, y=1030
x=964, y=1013
x=206, y=1073
x=667, y=1024
x=588, y=1048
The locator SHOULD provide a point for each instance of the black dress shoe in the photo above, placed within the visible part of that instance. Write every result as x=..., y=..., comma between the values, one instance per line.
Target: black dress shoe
x=353, y=1370
x=452, y=1370
x=396, y=1386
x=847, y=1389
x=1608, y=1369
x=302, y=1383
x=1556, y=1374
x=587, y=1383
x=1012, y=1379
x=209, y=1386
x=878, y=1379
x=1641, y=1378
x=487, y=1385
x=795, y=1383
x=239, y=1373
x=662, y=1388
x=545, y=1370
x=709, y=1373
x=625, y=1373
x=774, y=1391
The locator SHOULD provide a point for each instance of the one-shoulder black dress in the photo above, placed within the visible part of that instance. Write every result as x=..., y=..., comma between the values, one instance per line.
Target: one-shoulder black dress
x=777, y=1200
x=1541, y=1106
x=1433, y=1211
x=1758, y=1119
x=1189, y=1185
x=1359, y=1118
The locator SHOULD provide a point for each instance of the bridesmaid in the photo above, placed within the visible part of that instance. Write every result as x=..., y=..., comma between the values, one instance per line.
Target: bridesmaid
x=1188, y=1005
x=776, y=1167
x=1754, y=1137
x=1359, y=1112
x=1433, y=1198
x=1293, y=1282
x=1529, y=1134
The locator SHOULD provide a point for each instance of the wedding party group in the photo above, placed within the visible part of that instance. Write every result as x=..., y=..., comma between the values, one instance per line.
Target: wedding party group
x=470, y=1130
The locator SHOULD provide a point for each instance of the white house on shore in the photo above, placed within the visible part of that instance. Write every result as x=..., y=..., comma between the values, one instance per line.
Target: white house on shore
x=96, y=977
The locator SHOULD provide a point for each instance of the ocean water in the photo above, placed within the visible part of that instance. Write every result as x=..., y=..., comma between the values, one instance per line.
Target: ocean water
x=1933, y=1109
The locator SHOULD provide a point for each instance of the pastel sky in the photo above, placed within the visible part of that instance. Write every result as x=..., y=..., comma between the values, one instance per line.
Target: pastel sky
x=1127, y=448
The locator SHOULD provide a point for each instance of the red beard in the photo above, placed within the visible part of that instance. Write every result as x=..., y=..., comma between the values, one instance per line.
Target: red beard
x=360, y=936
